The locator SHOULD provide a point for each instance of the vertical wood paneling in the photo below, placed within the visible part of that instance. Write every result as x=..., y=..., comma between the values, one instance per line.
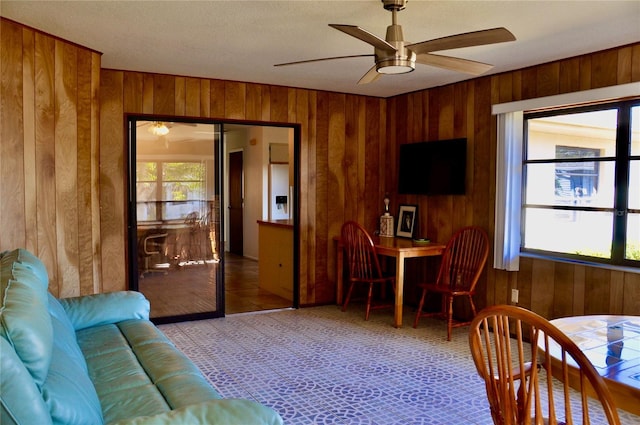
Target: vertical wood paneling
x=569, y=76
x=547, y=79
x=112, y=178
x=95, y=173
x=604, y=68
x=12, y=148
x=336, y=199
x=133, y=91
x=29, y=133
x=279, y=106
x=48, y=107
x=369, y=146
x=563, y=290
x=192, y=98
x=311, y=199
x=180, y=96
x=86, y=165
x=66, y=168
x=352, y=187
x=217, y=107
x=254, y=102
x=164, y=91
x=303, y=115
x=631, y=294
x=234, y=100
x=205, y=98
x=45, y=156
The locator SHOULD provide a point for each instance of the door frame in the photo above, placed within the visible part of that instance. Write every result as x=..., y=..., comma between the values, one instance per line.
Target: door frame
x=131, y=229
x=220, y=152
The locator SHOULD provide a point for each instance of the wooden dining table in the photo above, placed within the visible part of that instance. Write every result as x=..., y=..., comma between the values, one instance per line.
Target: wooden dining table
x=398, y=248
x=612, y=344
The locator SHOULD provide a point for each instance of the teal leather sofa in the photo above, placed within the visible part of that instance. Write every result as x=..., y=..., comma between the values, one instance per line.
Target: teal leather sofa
x=97, y=360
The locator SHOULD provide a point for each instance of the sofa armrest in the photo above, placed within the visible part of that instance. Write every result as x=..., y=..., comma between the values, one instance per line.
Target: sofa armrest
x=223, y=412
x=106, y=308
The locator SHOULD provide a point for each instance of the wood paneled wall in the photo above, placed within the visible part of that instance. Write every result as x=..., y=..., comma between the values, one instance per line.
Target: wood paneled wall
x=552, y=289
x=342, y=142
x=49, y=156
x=62, y=163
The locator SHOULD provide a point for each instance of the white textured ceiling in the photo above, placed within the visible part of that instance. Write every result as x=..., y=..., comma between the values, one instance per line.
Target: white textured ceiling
x=242, y=40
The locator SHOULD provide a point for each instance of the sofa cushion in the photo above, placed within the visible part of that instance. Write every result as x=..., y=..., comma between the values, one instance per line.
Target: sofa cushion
x=126, y=404
x=107, y=308
x=68, y=391
x=24, y=316
x=64, y=335
x=20, y=399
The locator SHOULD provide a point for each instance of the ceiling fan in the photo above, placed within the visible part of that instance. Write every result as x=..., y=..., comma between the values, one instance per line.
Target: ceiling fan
x=394, y=55
x=161, y=128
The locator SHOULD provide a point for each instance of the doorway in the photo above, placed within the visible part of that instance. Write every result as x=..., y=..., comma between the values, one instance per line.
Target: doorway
x=187, y=186
x=236, y=201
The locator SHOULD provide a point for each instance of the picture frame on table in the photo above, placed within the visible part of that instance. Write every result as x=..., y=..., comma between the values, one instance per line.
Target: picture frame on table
x=407, y=217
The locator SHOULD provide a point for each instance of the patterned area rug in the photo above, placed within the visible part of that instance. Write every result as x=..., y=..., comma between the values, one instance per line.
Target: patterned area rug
x=322, y=366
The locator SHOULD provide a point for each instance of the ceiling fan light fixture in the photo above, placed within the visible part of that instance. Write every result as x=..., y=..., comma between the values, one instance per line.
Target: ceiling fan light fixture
x=159, y=128
x=395, y=66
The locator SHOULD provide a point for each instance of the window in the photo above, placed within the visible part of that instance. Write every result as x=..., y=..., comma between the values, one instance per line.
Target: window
x=170, y=190
x=581, y=183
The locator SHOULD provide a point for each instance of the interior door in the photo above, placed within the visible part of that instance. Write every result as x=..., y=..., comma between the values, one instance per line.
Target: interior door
x=175, y=228
x=236, y=195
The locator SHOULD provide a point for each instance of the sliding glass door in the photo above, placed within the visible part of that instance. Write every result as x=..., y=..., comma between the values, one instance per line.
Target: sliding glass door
x=174, y=226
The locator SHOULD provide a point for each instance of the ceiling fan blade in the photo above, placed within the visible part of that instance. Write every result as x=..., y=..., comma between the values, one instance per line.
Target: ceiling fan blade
x=455, y=64
x=371, y=76
x=469, y=39
x=364, y=35
x=321, y=59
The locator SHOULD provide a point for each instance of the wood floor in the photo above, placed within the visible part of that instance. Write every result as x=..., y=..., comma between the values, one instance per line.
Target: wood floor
x=197, y=289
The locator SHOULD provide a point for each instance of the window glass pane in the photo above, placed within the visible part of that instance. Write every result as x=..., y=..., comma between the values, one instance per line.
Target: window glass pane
x=571, y=232
x=183, y=188
x=634, y=184
x=146, y=171
x=146, y=201
x=146, y=196
x=633, y=237
x=581, y=184
x=580, y=134
x=635, y=130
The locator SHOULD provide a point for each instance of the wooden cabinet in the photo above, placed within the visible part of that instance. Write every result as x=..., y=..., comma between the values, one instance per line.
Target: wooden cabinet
x=275, y=257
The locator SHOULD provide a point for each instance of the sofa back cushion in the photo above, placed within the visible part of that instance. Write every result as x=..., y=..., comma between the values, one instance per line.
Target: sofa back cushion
x=24, y=317
x=68, y=392
x=20, y=398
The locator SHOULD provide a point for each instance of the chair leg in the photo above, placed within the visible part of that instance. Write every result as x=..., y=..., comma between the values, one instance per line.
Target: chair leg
x=347, y=298
x=369, y=297
x=420, y=305
x=449, y=316
x=473, y=306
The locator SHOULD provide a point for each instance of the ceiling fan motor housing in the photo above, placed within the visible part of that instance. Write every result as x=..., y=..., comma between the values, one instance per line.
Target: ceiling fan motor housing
x=394, y=4
x=400, y=61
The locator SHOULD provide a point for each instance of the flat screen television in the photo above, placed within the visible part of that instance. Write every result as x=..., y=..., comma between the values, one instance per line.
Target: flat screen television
x=433, y=168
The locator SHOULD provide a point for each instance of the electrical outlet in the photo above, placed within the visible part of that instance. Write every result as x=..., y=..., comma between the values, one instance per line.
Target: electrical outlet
x=514, y=296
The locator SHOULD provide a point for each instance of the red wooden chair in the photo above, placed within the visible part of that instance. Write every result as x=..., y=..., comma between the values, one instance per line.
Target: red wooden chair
x=462, y=263
x=507, y=339
x=363, y=264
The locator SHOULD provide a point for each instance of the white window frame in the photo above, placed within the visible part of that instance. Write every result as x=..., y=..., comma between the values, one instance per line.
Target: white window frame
x=509, y=161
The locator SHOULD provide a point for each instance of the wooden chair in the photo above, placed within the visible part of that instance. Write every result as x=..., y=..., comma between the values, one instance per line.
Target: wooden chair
x=363, y=264
x=497, y=339
x=462, y=263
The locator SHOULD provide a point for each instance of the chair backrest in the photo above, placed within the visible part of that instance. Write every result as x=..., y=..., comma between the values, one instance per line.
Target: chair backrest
x=464, y=258
x=361, y=255
x=551, y=363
